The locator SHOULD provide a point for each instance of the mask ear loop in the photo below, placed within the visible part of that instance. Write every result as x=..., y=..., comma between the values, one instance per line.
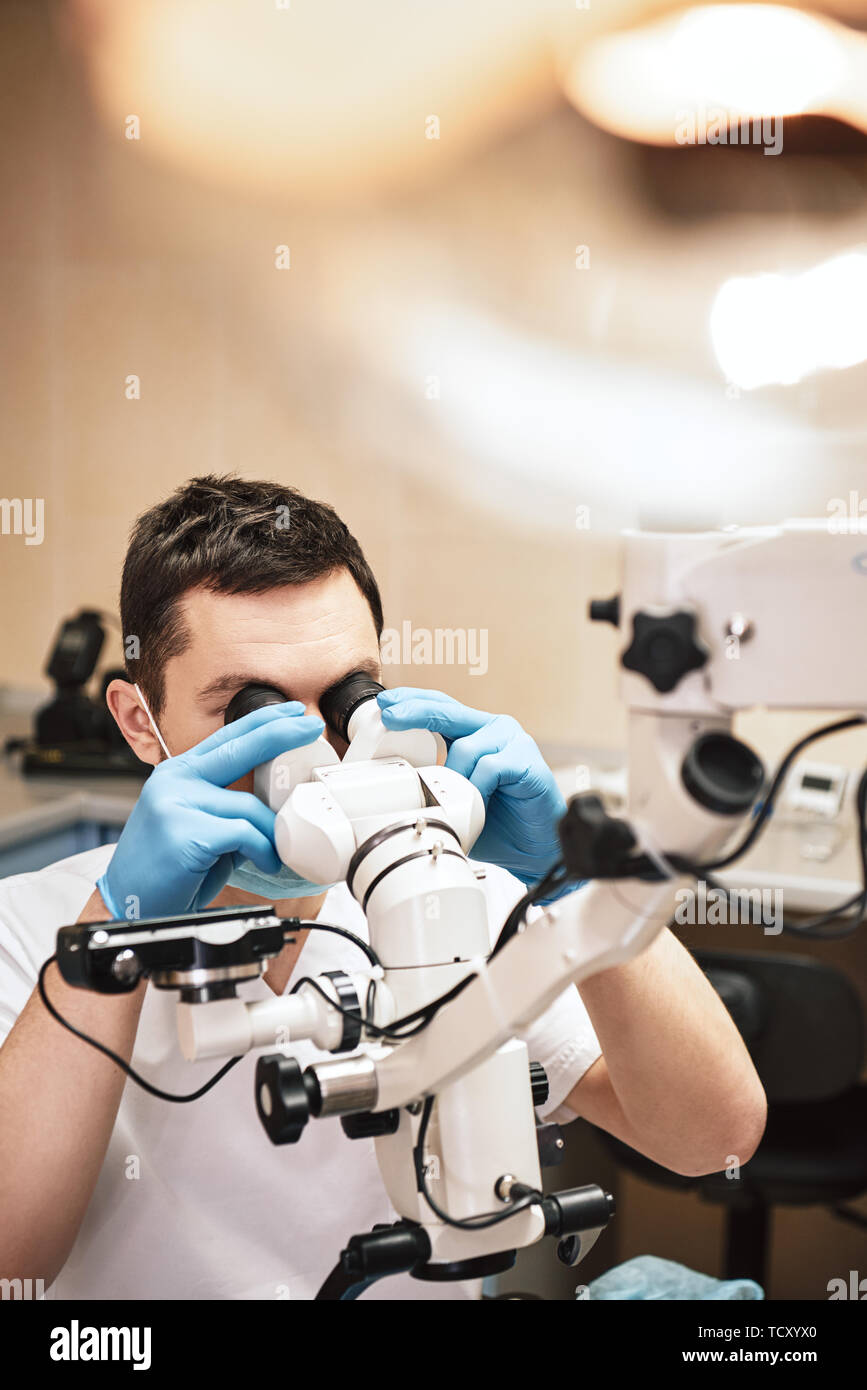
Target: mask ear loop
x=152, y=721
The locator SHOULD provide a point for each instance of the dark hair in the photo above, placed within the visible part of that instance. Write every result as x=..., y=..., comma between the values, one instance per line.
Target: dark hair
x=233, y=536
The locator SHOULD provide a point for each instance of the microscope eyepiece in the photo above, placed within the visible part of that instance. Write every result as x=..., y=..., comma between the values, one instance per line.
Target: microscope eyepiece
x=337, y=704
x=342, y=700
x=252, y=697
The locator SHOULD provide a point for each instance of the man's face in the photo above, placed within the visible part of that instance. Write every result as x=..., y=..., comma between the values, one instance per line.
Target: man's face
x=301, y=639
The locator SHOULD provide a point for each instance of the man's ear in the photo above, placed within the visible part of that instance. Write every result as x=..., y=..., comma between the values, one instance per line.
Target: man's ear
x=130, y=717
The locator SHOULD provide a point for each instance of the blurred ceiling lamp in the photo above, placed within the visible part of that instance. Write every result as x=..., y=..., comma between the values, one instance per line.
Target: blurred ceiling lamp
x=778, y=329
x=314, y=97
x=744, y=60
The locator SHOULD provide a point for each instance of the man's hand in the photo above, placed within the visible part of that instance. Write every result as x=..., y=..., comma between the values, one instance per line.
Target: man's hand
x=187, y=831
x=523, y=803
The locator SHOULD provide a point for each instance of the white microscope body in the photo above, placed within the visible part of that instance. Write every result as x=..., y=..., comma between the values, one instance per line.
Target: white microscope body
x=397, y=826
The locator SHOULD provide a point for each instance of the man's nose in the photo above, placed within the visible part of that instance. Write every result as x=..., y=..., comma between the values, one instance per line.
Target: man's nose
x=337, y=743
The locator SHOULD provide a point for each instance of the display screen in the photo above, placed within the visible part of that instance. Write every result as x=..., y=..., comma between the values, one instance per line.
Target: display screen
x=816, y=784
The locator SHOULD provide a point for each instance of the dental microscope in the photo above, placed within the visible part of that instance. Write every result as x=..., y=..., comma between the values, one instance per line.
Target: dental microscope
x=425, y=1054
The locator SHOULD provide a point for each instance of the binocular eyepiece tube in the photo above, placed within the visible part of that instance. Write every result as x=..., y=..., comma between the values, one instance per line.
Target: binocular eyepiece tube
x=337, y=705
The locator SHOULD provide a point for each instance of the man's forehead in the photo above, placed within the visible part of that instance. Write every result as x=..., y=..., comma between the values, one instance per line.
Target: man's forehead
x=282, y=636
x=329, y=604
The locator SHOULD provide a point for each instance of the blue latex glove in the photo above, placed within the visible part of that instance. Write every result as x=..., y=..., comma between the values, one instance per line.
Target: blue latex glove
x=523, y=803
x=187, y=831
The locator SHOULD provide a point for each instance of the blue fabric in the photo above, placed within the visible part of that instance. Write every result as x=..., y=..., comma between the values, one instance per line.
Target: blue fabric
x=648, y=1277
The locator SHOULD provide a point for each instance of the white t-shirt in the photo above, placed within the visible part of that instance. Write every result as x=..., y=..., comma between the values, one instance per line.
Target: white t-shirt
x=193, y=1201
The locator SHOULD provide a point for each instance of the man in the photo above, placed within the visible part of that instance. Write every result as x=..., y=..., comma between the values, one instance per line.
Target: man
x=109, y=1192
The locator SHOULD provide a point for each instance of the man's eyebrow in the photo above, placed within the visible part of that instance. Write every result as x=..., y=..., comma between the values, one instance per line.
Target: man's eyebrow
x=232, y=683
x=368, y=668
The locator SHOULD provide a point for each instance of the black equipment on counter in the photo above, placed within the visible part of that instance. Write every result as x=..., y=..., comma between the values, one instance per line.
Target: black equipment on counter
x=74, y=732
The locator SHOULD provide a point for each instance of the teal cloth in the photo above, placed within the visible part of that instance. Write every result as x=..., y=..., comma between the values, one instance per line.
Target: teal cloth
x=648, y=1277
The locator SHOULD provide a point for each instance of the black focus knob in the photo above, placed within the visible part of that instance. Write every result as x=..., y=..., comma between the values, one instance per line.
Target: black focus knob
x=368, y=1125
x=538, y=1084
x=594, y=844
x=664, y=648
x=605, y=610
x=285, y=1097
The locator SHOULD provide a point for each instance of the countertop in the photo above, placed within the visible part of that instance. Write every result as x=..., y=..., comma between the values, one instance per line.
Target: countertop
x=34, y=806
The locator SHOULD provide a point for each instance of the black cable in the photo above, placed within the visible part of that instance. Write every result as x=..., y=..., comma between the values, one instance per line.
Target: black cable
x=119, y=1061
x=808, y=928
x=398, y=1031
x=427, y=1011
x=422, y=1015
x=779, y=777
x=370, y=1004
x=140, y=1080
x=370, y=1001
x=812, y=928
x=641, y=866
x=301, y=925
x=555, y=878
x=382, y=1030
x=467, y=1223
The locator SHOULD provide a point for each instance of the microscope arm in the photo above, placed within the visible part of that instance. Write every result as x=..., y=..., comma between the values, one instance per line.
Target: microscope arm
x=599, y=926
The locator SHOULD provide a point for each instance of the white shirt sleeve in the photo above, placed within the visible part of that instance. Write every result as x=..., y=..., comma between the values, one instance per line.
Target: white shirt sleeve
x=32, y=907
x=562, y=1038
x=16, y=979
